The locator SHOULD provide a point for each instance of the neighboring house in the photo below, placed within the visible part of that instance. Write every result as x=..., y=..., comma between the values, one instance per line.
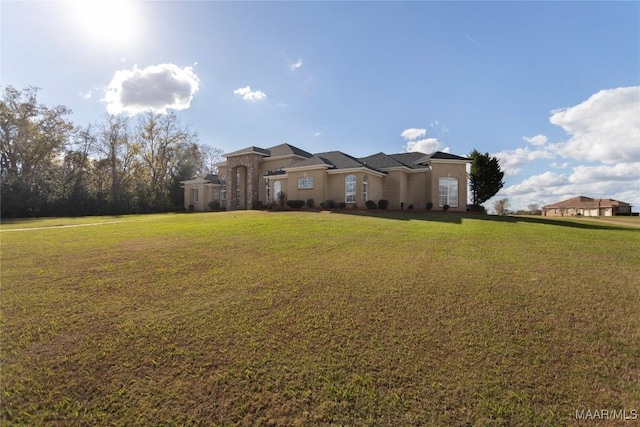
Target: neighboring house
x=586, y=206
x=256, y=175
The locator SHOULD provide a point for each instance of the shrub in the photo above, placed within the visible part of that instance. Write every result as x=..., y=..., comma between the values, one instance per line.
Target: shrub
x=214, y=205
x=257, y=204
x=371, y=204
x=382, y=204
x=476, y=208
x=191, y=208
x=295, y=204
x=310, y=203
x=342, y=205
x=411, y=206
x=445, y=207
x=429, y=206
x=329, y=204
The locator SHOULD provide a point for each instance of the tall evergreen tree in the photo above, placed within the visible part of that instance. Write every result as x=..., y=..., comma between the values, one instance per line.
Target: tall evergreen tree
x=485, y=178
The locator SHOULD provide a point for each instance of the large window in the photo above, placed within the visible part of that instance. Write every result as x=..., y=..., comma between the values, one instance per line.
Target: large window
x=448, y=190
x=305, y=182
x=194, y=195
x=365, y=188
x=277, y=188
x=350, y=189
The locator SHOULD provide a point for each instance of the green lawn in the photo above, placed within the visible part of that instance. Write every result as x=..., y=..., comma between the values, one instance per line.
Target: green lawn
x=301, y=318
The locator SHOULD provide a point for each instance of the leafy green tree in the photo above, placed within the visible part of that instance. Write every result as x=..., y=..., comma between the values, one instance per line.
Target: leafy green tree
x=485, y=179
x=32, y=138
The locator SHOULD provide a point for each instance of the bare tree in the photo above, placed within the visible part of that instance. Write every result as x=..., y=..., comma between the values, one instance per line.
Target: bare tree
x=211, y=157
x=534, y=209
x=501, y=206
x=118, y=152
x=163, y=140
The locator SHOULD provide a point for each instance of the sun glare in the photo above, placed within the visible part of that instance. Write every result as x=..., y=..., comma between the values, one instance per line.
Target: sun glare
x=106, y=21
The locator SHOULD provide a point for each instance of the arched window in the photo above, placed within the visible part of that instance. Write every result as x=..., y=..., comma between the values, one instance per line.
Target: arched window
x=305, y=182
x=350, y=189
x=277, y=188
x=448, y=192
x=365, y=188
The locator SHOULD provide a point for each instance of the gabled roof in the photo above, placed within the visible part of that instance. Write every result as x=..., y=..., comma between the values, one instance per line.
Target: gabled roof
x=584, y=202
x=409, y=159
x=287, y=150
x=380, y=161
x=248, y=150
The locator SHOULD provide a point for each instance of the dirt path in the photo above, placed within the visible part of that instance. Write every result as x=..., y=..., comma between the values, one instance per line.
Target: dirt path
x=54, y=227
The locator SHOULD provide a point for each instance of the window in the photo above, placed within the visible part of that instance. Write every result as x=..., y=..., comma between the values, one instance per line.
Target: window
x=305, y=182
x=365, y=188
x=350, y=189
x=448, y=190
x=194, y=195
x=216, y=194
x=277, y=188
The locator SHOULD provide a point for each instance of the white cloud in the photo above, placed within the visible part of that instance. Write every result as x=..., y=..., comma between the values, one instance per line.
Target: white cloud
x=427, y=145
x=250, y=95
x=605, y=127
x=297, y=64
x=619, y=172
x=604, y=130
x=511, y=161
x=413, y=133
x=156, y=88
x=536, y=140
x=317, y=134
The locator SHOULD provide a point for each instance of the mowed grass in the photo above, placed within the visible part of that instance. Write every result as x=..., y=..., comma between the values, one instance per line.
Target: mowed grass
x=300, y=318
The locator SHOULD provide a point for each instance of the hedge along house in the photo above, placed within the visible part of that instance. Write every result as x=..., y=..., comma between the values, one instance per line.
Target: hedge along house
x=257, y=175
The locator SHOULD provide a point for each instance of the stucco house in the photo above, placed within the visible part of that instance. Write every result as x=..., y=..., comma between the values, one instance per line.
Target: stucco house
x=586, y=206
x=255, y=174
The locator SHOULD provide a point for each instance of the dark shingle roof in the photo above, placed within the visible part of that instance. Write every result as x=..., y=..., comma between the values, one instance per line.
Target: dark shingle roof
x=409, y=159
x=439, y=155
x=380, y=161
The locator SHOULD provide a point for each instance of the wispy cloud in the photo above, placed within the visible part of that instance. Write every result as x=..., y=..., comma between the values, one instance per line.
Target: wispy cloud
x=317, y=134
x=296, y=64
x=250, y=95
x=536, y=140
x=471, y=39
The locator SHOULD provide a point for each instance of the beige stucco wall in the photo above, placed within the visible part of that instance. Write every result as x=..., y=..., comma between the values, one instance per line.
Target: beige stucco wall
x=336, y=187
x=440, y=170
x=394, y=188
x=418, y=190
x=317, y=193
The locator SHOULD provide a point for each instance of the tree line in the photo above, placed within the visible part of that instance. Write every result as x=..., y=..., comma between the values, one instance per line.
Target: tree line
x=50, y=166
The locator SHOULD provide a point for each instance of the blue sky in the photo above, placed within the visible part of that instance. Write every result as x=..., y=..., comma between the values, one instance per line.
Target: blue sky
x=551, y=88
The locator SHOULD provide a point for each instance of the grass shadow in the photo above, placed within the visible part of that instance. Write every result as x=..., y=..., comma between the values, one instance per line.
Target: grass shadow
x=458, y=217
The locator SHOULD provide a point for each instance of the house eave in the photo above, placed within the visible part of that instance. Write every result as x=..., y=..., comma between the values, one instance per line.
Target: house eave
x=353, y=170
